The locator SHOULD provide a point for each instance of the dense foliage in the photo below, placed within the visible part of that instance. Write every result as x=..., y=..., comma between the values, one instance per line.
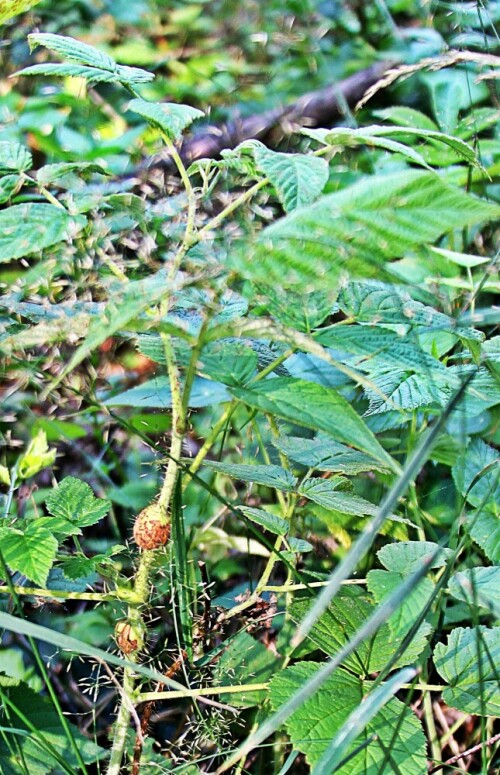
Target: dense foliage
x=250, y=403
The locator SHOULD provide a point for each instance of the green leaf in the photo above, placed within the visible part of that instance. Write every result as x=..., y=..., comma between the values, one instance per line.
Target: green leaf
x=316, y=407
x=484, y=527
x=394, y=739
x=476, y=474
x=380, y=136
x=381, y=584
x=350, y=138
x=9, y=184
x=378, y=348
x=269, y=476
x=91, y=63
x=323, y=454
x=297, y=178
x=37, y=457
x=14, y=157
x=44, y=732
x=461, y=259
x=325, y=493
x=155, y=393
x=230, y=362
x=381, y=303
x=30, y=551
x=74, y=500
x=269, y=521
x=170, y=118
x=482, y=393
x=406, y=117
x=301, y=311
x=406, y=557
x=245, y=660
x=30, y=228
x=52, y=172
x=359, y=719
x=343, y=617
x=359, y=229
x=10, y=8
x=478, y=586
x=446, y=98
x=469, y=663
x=401, y=390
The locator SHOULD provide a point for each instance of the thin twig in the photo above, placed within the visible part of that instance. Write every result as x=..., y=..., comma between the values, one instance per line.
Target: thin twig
x=485, y=744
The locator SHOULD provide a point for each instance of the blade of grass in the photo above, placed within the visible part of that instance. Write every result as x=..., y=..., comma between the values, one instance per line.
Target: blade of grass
x=75, y=646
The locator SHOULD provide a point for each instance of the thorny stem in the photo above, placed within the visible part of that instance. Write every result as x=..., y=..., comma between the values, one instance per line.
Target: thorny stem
x=179, y=416
x=142, y=577
x=121, y=725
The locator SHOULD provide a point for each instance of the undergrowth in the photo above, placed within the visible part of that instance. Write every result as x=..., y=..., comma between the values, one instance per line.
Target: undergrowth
x=250, y=481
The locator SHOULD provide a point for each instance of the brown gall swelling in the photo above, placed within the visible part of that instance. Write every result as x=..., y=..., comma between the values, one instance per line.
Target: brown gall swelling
x=151, y=527
x=128, y=637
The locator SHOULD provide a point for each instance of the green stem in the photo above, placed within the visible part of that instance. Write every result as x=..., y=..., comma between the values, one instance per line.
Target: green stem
x=240, y=200
x=121, y=725
x=126, y=595
x=205, y=691
x=210, y=440
x=431, y=729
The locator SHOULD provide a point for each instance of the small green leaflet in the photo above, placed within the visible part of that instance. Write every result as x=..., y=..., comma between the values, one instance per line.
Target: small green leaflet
x=408, y=391
x=406, y=117
x=8, y=185
x=323, y=454
x=341, y=620
x=89, y=62
x=324, y=492
x=30, y=551
x=269, y=476
x=377, y=347
x=478, y=586
x=317, y=407
x=74, y=500
x=155, y=394
x=263, y=518
x=477, y=474
x=406, y=557
x=358, y=720
x=382, y=583
x=229, y=361
x=27, y=229
x=359, y=229
x=14, y=157
x=375, y=302
x=312, y=726
x=380, y=136
x=469, y=662
x=298, y=179
x=10, y=8
x=52, y=172
x=169, y=117
x=484, y=527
